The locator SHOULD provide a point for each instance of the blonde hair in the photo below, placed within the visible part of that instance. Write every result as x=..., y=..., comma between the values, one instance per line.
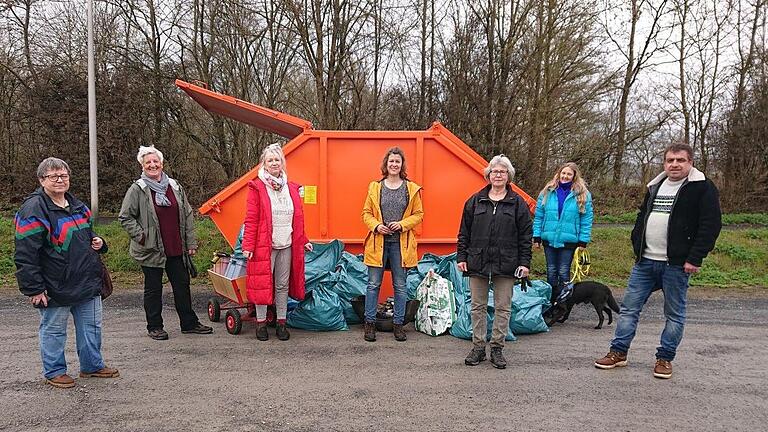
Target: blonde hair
x=578, y=185
x=275, y=149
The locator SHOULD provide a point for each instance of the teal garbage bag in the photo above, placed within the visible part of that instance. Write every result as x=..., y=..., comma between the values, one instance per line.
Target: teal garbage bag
x=319, y=265
x=352, y=276
x=352, y=282
x=462, y=326
x=333, y=278
x=416, y=274
x=350, y=316
x=321, y=310
x=527, y=308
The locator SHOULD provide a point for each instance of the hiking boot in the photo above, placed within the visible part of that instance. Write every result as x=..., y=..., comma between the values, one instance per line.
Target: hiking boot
x=61, y=381
x=370, y=331
x=663, y=369
x=399, y=333
x=158, y=334
x=282, y=332
x=105, y=372
x=261, y=331
x=611, y=360
x=497, y=358
x=199, y=329
x=475, y=357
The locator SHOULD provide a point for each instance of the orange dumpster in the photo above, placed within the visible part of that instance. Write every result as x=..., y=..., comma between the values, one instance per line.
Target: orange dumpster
x=335, y=168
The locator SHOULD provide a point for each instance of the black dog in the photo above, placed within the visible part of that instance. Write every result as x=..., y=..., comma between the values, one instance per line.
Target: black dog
x=585, y=292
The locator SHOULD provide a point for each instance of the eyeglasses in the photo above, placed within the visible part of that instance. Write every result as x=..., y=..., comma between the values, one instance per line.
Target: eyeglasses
x=56, y=177
x=498, y=172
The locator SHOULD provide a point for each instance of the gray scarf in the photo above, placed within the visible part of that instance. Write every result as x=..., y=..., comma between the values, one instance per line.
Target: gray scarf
x=159, y=188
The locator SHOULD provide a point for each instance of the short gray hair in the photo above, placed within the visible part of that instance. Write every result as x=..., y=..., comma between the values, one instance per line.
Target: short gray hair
x=503, y=161
x=51, y=164
x=146, y=150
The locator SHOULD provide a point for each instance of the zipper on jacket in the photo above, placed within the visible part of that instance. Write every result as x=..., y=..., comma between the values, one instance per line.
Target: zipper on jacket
x=671, y=211
x=648, y=209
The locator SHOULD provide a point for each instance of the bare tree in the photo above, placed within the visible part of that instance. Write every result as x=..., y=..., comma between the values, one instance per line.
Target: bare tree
x=637, y=50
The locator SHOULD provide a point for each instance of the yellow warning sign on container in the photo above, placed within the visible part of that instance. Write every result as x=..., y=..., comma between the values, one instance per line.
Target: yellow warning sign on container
x=310, y=194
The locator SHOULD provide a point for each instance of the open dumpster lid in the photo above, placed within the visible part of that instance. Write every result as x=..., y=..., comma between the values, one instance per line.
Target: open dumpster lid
x=263, y=118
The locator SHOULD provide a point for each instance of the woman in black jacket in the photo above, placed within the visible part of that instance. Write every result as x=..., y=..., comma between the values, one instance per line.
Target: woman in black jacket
x=494, y=246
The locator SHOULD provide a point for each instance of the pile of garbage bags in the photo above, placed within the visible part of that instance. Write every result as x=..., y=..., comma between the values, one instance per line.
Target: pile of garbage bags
x=335, y=277
x=527, y=306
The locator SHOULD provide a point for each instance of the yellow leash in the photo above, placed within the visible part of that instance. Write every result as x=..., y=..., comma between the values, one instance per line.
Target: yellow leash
x=580, y=265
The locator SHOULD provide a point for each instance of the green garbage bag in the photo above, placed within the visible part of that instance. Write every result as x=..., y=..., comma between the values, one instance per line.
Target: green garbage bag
x=416, y=274
x=352, y=277
x=527, y=308
x=352, y=282
x=319, y=265
x=321, y=310
x=462, y=327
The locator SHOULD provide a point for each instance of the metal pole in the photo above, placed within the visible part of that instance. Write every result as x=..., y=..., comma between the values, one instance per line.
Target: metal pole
x=92, y=118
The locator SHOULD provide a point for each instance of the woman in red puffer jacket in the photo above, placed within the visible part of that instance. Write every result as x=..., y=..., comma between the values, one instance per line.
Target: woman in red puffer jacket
x=274, y=242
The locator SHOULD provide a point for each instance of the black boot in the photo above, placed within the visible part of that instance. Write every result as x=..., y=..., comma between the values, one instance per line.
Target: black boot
x=399, y=333
x=475, y=357
x=370, y=332
x=497, y=358
x=282, y=332
x=261, y=331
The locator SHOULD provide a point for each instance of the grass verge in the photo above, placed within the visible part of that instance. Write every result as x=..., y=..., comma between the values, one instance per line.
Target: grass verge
x=736, y=261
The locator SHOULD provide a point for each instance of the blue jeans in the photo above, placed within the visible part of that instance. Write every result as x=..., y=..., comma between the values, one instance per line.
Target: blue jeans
x=53, y=337
x=558, y=267
x=645, y=277
x=375, y=274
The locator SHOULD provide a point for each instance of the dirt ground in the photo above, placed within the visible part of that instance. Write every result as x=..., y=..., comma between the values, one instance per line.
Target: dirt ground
x=336, y=381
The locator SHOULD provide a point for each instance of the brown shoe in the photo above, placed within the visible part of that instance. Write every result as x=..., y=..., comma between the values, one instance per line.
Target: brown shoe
x=611, y=360
x=399, y=333
x=158, y=334
x=105, y=372
x=199, y=329
x=61, y=381
x=663, y=369
x=370, y=332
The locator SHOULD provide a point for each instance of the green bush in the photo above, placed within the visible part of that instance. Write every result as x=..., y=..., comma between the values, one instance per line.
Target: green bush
x=737, y=252
x=746, y=218
x=118, y=260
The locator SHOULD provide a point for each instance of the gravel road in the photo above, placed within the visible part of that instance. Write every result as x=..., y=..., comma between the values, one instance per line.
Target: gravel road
x=336, y=381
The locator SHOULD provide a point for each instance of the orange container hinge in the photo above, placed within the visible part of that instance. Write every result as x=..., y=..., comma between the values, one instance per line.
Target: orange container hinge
x=200, y=84
x=215, y=205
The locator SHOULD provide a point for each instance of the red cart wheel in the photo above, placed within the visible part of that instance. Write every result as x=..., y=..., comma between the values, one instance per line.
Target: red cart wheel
x=233, y=321
x=214, y=309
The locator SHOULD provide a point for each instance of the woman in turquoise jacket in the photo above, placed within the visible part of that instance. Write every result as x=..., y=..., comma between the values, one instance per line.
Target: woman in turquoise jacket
x=563, y=222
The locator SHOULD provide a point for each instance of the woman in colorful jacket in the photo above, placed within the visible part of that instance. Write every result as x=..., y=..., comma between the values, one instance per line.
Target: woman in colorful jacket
x=391, y=211
x=563, y=222
x=58, y=268
x=161, y=224
x=274, y=242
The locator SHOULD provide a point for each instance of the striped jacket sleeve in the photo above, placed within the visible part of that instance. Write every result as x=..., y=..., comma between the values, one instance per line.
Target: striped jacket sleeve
x=32, y=228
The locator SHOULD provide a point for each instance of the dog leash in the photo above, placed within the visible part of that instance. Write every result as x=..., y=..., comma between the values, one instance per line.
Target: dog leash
x=580, y=265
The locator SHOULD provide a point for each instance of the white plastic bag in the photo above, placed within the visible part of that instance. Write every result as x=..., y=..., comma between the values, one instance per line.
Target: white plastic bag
x=437, y=310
